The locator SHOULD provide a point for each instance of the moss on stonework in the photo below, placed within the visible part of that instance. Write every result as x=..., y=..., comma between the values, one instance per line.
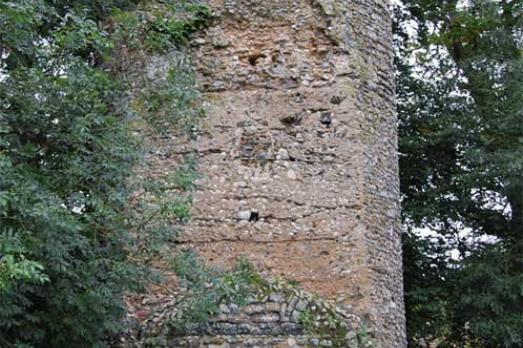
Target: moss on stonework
x=158, y=26
x=327, y=6
x=325, y=324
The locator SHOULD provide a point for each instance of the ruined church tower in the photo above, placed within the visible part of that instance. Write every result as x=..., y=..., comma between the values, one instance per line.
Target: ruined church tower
x=298, y=151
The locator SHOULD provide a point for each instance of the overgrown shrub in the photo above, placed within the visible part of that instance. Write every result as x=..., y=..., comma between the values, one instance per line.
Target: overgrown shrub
x=208, y=288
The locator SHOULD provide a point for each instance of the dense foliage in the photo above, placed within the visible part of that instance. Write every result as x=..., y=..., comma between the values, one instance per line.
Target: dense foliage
x=460, y=90
x=69, y=240
x=68, y=237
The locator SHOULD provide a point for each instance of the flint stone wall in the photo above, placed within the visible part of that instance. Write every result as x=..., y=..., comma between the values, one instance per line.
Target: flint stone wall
x=298, y=151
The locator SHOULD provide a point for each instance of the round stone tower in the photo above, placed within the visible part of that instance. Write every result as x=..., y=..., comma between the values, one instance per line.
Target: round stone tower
x=298, y=151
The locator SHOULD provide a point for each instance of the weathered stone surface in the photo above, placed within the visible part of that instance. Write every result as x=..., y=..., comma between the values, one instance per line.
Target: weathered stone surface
x=298, y=156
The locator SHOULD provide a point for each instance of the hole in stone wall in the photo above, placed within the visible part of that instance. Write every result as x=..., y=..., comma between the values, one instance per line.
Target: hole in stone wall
x=255, y=216
x=291, y=120
x=253, y=58
x=326, y=118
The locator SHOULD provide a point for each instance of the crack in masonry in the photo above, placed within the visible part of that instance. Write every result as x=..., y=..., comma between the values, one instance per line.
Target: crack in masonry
x=276, y=129
x=199, y=152
x=293, y=218
x=219, y=151
x=268, y=218
x=253, y=87
x=257, y=241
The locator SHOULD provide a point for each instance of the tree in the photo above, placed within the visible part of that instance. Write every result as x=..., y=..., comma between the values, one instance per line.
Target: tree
x=79, y=227
x=65, y=156
x=461, y=169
